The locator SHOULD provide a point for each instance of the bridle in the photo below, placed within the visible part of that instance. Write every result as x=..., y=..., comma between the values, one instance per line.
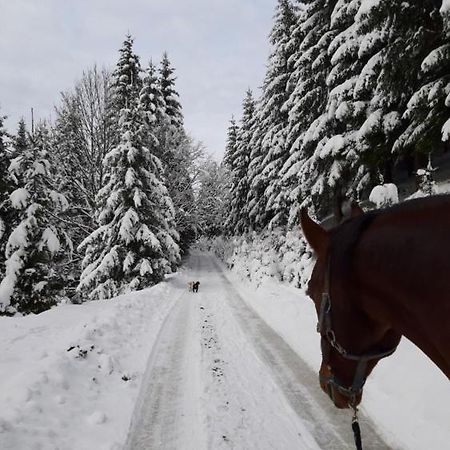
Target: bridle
x=324, y=327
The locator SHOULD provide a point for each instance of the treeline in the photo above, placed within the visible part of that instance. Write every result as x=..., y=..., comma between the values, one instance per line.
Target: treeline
x=100, y=202
x=352, y=88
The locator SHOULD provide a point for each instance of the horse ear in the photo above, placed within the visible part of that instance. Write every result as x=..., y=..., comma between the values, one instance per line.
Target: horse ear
x=316, y=236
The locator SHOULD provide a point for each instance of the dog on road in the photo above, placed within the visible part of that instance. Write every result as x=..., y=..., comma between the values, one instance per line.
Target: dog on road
x=193, y=286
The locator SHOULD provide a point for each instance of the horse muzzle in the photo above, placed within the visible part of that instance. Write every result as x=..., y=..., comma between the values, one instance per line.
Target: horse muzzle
x=342, y=397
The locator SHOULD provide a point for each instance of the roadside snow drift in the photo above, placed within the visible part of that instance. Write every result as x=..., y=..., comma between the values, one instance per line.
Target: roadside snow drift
x=70, y=376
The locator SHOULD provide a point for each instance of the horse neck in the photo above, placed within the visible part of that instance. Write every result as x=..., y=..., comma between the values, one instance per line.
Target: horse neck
x=403, y=308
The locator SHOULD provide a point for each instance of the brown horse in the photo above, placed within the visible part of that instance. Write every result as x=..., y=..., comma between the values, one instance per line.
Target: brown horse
x=378, y=276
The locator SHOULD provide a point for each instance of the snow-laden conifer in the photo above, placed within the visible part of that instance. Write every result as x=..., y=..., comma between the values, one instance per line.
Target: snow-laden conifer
x=395, y=37
x=32, y=281
x=6, y=188
x=427, y=113
x=135, y=243
x=229, y=164
x=175, y=148
x=309, y=95
x=336, y=166
x=257, y=212
x=126, y=77
x=238, y=220
x=275, y=115
x=170, y=95
x=210, y=199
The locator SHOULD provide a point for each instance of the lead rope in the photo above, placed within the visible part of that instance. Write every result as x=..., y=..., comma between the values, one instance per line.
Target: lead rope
x=356, y=429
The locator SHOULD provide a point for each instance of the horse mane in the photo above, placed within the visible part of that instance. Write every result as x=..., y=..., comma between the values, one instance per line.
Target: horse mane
x=344, y=238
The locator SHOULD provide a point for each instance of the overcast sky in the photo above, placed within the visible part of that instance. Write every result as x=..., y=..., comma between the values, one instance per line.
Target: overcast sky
x=219, y=48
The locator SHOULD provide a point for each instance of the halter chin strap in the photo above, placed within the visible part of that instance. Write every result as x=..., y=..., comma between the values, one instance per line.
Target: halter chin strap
x=324, y=327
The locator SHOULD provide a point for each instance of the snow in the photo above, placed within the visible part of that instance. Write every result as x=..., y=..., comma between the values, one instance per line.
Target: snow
x=366, y=8
x=19, y=198
x=384, y=195
x=333, y=146
x=50, y=239
x=445, y=8
x=197, y=371
x=70, y=376
x=446, y=130
x=59, y=200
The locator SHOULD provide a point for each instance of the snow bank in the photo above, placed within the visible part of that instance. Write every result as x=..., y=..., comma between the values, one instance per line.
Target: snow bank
x=384, y=195
x=275, y=254
x=70, y=376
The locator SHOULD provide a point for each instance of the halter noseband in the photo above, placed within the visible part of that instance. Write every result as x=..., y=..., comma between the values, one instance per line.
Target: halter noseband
x=325, y=329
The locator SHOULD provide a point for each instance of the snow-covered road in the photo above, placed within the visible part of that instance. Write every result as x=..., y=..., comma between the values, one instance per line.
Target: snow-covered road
x=219, y=377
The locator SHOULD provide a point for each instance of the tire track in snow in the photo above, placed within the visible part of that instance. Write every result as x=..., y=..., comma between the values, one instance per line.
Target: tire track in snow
x=167, y=405
x=329, y=426
x=244, y=407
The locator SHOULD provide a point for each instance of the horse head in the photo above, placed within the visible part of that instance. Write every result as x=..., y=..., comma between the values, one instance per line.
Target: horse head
x=351, y=342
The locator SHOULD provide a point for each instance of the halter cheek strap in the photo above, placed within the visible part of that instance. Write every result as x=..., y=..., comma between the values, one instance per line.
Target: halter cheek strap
x=324, y=327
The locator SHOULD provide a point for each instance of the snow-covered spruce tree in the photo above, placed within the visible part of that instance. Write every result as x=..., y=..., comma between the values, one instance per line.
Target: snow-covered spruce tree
x=170, y=94
x=32, y=282
x=428, y=109
x=179, y=183
x=154, y=106
x=308, y=99
x=210, y=199
x=126, y=82
x=9, y=216
x=20, y=140
x=136, y=242
x=228, y=164
x=256, y=202
x=335, y=167
x=274, y=113
x=175, y=149
x=231, y=144
x=396, y=37
x=238, y=221
x=6, y=187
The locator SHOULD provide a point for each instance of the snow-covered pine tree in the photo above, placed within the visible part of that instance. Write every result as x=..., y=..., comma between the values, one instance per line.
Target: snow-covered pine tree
x=231, y=144
x=395, y=35
x=336, y=167
x=428, y=109
x=229, y=165
x=256, y=201
x=5, y=190
x=274, y=114
x=210, y=199
x=238, y=221
x=178, y=171
x=170, y=94
x=32, y=282
x=9, y=216
x=175, y=148
x=136, y=242
x=20, y=140
x=126, y=77
x=154, y=106
x=308, y=99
